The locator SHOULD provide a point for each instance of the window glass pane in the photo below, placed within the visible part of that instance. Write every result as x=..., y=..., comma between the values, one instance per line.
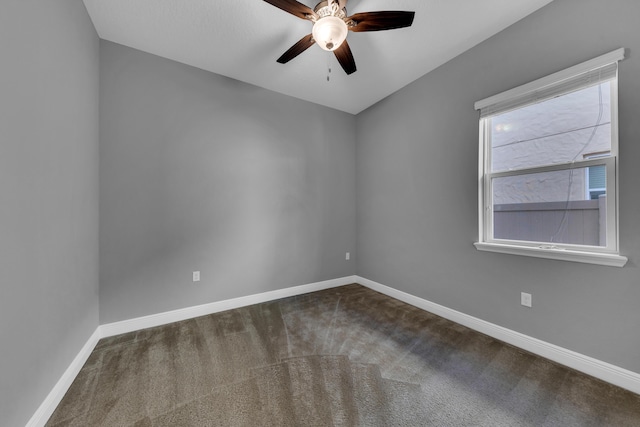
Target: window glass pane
x=558, y=130
x=549, y=207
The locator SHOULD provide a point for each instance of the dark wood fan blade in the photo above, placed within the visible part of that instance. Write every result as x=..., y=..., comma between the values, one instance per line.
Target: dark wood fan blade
x=345, y=58
x=294, y=7
x=378, y=21
x=303, y=44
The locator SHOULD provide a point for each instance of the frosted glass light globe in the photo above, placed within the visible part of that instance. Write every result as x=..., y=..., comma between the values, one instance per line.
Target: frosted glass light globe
x=329, y=32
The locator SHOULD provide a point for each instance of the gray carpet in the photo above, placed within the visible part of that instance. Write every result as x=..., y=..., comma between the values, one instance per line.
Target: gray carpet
x=347, y=356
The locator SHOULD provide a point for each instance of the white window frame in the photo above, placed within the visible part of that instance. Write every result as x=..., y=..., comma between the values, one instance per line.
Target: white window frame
x=536, y=91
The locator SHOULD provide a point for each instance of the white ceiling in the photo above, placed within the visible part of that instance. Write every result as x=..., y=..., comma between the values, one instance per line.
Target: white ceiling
x=242, y=39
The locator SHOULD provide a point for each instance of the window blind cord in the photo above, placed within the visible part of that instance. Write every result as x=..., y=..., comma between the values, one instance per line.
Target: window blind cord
x=565, y=216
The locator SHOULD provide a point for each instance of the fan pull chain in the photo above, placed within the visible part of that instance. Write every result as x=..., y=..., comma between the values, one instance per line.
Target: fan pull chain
x=328, y=68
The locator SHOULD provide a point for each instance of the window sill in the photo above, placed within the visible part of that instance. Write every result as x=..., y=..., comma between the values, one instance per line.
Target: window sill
x=611, y=260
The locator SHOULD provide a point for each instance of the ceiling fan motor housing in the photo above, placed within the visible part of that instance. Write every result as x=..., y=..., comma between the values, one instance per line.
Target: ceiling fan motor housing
x=329, y=30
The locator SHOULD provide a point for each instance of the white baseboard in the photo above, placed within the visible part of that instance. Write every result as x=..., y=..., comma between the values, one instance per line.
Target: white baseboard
x=124, y=326
x=605, y=371
x=51, y=402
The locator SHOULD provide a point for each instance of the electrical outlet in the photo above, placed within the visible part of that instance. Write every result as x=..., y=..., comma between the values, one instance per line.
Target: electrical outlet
x=347, y=256
x=525, y=299
x=196, y=276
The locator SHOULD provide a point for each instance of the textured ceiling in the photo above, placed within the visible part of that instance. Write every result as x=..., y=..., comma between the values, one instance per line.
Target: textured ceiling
x=241, y=39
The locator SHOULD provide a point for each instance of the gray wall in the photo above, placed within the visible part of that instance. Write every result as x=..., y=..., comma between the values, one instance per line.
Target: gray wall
x=417, y=188
x=200, y=172
x=48, y=197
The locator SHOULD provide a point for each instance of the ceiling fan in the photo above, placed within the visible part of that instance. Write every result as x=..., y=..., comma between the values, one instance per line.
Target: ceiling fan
x=331, y=26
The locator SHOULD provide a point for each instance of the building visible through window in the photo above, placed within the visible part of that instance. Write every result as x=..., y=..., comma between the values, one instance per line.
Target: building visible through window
x=536, y=205
x=595, y=178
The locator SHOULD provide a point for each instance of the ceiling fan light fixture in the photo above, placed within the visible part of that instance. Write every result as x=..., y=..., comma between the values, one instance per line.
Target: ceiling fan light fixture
x=330, y=32
x=331, y=26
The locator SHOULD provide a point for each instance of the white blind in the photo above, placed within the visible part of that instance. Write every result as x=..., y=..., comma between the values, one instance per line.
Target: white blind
x=590, y=73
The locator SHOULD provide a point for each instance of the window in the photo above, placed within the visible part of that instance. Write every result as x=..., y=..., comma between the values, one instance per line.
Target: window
x=548, y=159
